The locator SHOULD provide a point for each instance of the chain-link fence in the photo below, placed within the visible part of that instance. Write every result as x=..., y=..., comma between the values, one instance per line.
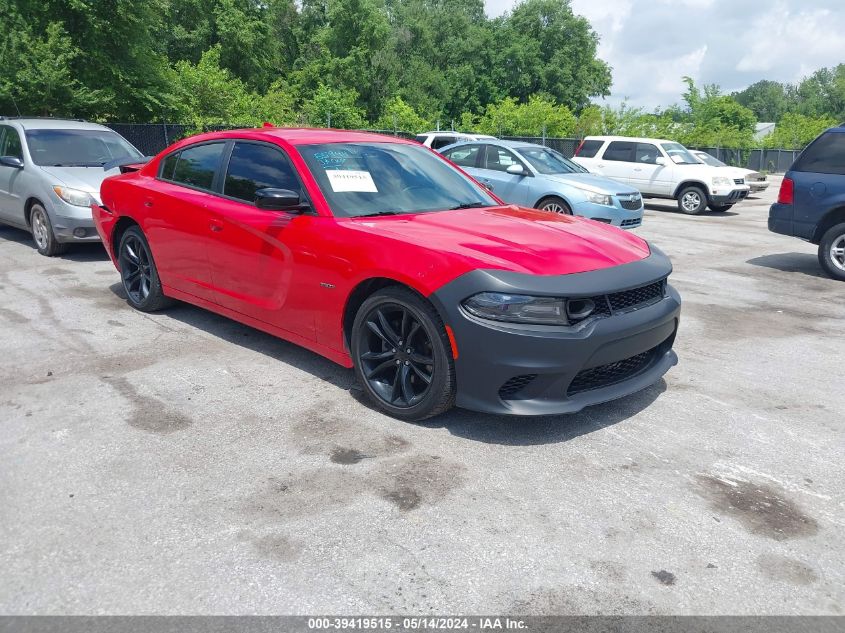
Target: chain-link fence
x=151, y=138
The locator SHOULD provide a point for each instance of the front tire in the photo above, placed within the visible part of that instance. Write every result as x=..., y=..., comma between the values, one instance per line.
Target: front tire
x=832, y=252
x=553, y=204
x=138, y=272
x=403, y=356
x=42, y=232
x=720, y=208
x=692, y=200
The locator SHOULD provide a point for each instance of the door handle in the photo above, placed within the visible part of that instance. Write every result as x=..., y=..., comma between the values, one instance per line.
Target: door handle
x=600, y=165
x=148, y=202
x=215, y=226
x=637, y=169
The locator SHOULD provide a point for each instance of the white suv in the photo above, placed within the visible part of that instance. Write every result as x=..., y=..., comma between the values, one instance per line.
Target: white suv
x=662, y=169
x=436, y=140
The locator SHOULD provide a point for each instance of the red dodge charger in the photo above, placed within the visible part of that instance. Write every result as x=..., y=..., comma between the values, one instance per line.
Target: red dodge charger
x=381, y=255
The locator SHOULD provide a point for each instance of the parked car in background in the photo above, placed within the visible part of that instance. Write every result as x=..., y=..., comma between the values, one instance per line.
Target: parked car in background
x=380, y=255
x=756, y=181
x=811, y=201
x=50, y=174
x=436, y=140
x=661, y=169
x=535, y=176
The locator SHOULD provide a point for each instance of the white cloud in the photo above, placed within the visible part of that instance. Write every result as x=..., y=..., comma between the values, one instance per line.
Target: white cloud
x=652, y=43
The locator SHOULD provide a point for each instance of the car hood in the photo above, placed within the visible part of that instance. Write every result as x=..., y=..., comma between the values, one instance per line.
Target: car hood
x=511, y=238
x=82, y=178
x=592, y=183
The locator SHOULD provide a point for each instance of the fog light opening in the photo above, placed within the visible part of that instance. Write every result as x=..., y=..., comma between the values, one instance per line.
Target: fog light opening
x=79, y=232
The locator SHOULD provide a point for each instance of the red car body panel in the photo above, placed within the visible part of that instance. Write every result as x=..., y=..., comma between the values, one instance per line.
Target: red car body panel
x=292, y=275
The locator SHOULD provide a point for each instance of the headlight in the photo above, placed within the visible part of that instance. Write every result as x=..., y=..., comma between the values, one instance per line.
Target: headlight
x=74, y=196
x=721, y=181
x=600, y=198
x=498, y=306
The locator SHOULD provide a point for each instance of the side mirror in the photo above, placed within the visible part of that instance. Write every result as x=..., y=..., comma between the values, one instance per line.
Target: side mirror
x=660, y=161
x=271, y=199
x=516, y=169
x=11, y=161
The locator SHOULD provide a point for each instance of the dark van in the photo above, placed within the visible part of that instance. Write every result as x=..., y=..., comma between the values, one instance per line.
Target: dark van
x=811, y=202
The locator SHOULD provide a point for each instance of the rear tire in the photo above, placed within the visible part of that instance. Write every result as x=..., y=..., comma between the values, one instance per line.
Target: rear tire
x=832, y=252
x=402, y=355
x=553, y=204
x=42, y=232
x=692, y=200
x=138, y=272
x=719, y=208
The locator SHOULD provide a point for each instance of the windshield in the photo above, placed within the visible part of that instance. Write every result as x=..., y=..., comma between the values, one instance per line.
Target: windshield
x=707, y=159
x=679, y=154
x=548, y=161
x=78, y=148
x=361, y=179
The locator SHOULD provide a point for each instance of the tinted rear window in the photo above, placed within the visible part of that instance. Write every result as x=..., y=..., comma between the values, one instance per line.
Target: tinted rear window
x=589, y=149
x=826, y=155
x=196, y=165
x=442, y=141
x=620, y=150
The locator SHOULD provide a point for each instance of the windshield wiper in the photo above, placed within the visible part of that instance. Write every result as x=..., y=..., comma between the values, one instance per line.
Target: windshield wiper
x=371, y=215
x=469, y=205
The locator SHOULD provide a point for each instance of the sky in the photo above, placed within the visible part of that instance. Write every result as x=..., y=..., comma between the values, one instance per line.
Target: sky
x=651, y=44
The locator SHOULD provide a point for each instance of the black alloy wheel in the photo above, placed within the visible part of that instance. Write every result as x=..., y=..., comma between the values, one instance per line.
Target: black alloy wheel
x=402, y=355
x=138, y=272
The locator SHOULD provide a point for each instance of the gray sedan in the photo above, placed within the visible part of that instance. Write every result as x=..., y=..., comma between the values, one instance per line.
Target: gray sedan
x=535, y=176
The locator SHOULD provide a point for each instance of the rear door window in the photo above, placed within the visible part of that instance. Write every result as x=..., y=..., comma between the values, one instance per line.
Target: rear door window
x=442, y=141
x=620, y=151
x=255, y=166
x=589, y=149
x=196, y=166
x=465, y=155
x=826, y=155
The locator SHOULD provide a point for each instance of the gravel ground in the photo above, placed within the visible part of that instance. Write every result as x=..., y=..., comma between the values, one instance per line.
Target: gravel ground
x=181, y=463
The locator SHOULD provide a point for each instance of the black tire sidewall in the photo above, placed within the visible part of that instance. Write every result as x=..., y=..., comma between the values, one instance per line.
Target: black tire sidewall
x=441, y=393
x=567, y=209
x=833, y=233
x=701, y=207
x=155, y=299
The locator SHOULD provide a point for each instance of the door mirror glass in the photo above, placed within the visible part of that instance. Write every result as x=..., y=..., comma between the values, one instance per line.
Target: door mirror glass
x=271, y=199
x=11, y=161
x=516, y=169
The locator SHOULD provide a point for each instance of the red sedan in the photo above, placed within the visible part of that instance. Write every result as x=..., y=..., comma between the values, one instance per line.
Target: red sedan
x=381, y=255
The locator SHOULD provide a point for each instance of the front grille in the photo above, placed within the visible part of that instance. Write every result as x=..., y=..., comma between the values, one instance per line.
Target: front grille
x=632, y=222
x=610, y=374
x=633, y=204
x=513, y=386
x=642, y=296
x=739, y=181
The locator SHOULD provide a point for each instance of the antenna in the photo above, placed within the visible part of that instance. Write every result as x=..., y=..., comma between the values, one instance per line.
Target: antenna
x=15, y=103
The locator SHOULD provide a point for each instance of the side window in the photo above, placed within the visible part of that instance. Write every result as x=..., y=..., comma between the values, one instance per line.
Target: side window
x=465, y=155
x=647, y=153
x=826, y=155
x=442, y=141
x=589, y=149
x=195, y=166
x=10, y=142
x=420, y=138
x=168, y=164
x=499, y=159
x=254, y=166
x=620, y=151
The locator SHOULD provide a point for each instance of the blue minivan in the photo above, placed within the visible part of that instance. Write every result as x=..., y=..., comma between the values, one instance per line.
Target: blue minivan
x=811, y=202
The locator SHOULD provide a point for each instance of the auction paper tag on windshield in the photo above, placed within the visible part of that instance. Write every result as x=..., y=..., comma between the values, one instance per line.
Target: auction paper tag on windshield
x=343, y=180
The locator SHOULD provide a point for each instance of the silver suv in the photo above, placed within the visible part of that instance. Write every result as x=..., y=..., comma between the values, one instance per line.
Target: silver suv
x=50, y=173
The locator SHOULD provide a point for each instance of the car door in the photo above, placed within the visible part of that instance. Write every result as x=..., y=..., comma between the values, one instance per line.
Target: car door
x=512, y=188
x=177, y=218
x=617, y=161
x=11, y=206
x=647, y=175
x=254, y=251
x=819, y=177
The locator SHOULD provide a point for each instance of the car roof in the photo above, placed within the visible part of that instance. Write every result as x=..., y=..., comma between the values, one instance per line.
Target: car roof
x=517, y=145
x=635, y=139
x=54, y=124
x=298, y=136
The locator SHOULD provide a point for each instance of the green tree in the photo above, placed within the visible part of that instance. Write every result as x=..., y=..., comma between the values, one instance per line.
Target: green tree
x=768, y=100
x=398, y=115
x=795, y=131
x=334, y=107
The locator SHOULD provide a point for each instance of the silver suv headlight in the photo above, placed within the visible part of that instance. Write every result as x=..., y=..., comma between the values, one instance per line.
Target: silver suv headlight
x=721, y=181
x=75, y=197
